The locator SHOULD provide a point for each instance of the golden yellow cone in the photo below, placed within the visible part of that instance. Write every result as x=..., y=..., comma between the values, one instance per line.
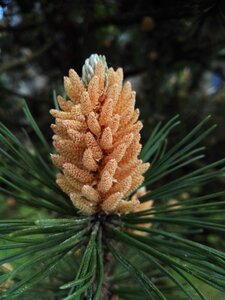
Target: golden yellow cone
x=97, y=142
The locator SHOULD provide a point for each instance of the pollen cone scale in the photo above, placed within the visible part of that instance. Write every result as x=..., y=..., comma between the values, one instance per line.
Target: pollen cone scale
x=97, y=140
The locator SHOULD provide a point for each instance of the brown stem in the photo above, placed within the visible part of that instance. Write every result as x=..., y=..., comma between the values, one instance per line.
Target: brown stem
x=107, y=259
x=24, y=60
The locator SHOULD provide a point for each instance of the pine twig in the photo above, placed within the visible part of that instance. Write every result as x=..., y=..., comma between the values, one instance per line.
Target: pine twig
x=24, y=60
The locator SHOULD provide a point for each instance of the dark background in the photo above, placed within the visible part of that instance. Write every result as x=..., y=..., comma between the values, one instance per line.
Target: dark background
x=173, y=52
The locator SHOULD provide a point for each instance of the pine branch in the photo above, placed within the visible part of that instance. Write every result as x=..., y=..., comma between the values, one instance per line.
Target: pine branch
x=24, y=60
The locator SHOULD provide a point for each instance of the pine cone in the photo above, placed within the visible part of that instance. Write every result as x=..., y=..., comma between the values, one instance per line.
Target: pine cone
x=97, y=139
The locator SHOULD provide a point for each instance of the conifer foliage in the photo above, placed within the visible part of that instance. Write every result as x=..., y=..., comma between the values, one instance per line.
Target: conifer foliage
x=109, y=232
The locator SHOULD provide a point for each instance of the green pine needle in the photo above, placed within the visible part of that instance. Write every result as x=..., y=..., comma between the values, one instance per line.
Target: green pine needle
x=146, y=254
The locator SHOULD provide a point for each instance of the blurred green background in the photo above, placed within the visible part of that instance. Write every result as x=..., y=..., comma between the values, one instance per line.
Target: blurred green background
x=173, y=52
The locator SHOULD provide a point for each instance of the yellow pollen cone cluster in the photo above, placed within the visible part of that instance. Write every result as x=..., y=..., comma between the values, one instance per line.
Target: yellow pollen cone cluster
x=97, y=140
